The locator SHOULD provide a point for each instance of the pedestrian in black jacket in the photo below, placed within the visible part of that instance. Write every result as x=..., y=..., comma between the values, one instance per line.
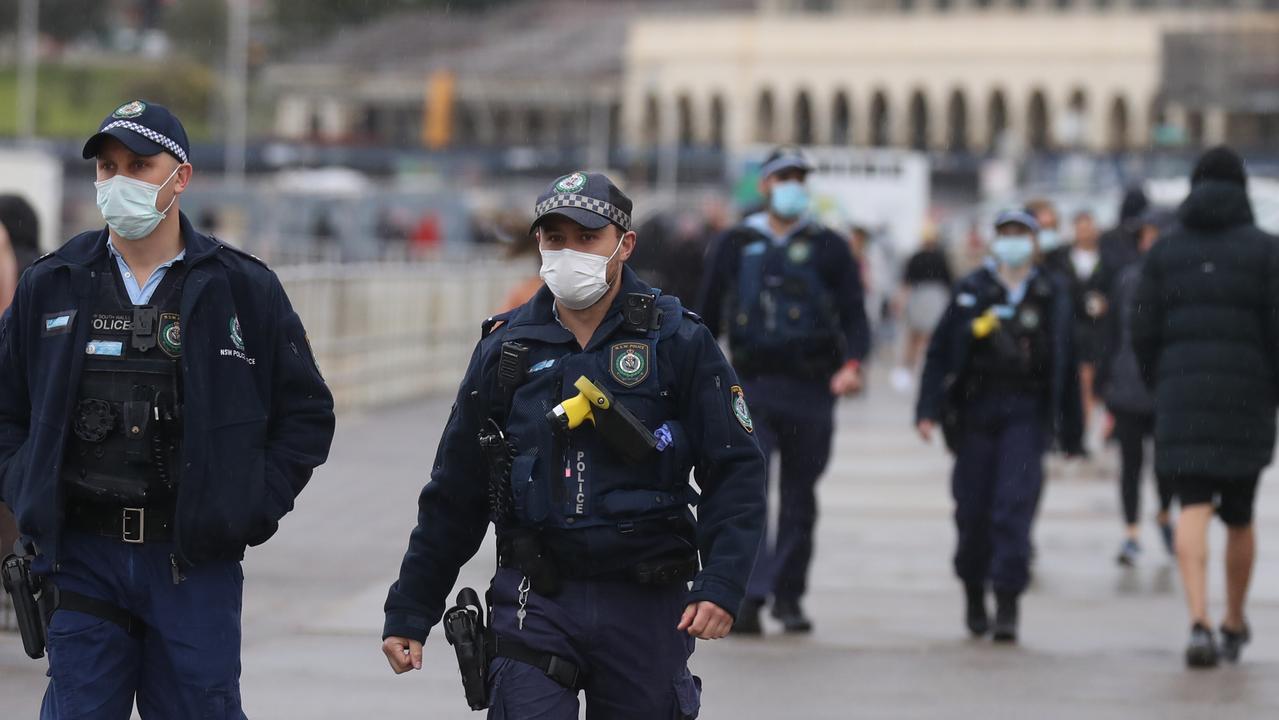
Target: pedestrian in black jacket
x=1205, y=328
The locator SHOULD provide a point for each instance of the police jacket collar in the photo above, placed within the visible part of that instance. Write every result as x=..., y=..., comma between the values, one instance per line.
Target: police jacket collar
x=536, y=320
x=87, y=248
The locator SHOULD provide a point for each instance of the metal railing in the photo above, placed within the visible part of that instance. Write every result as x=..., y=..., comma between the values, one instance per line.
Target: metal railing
x=388, y=332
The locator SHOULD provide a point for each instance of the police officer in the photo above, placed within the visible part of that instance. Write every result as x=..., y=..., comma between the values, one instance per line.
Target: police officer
x=160, y=410
x=790, y=294
x=1001, y=379
x=596, y=539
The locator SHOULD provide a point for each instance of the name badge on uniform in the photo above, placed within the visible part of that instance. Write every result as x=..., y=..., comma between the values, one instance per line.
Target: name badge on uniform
x=58, y=323
x=104, y=348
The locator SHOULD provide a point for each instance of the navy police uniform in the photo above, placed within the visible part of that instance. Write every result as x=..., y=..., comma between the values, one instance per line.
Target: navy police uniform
x=1000, y=378
x=794, y=313
x=142, y=448
x=617, y=541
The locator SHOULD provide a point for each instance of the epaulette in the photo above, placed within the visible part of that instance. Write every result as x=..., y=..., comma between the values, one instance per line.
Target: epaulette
x=42, y=258
x=694, y=316
x=492, y=323
x=240, y=252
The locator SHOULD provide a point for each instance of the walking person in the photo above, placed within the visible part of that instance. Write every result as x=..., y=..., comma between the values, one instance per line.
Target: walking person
x=788, y=293
x=925, y=292
x=1206, y=332
x=160, y=411
x=596, y=540
x=1000, y=381
x=1130, y=402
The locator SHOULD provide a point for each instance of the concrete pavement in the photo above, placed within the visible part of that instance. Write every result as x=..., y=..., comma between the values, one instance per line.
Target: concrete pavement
x=1098, y=641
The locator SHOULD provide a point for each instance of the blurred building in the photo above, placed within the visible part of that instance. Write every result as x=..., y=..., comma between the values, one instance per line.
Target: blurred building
x=957, y=75
x=537, y=74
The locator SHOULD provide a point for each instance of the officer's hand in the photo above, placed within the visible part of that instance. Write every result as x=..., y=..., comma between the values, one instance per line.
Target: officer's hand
x=925, y=428
x=705, y=621
x=847, y=381
x=403, y=654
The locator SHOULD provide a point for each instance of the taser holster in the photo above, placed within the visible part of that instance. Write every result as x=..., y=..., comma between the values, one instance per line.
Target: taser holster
x=623, y=432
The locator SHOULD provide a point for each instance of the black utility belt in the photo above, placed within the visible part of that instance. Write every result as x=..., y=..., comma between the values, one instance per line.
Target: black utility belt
x=127, y=524
x=659, y=571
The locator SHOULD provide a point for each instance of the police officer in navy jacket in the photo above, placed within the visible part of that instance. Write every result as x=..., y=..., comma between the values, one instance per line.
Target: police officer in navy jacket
x=787, y=293
x=1002, y=380
x=597, y=543
x=160, y=410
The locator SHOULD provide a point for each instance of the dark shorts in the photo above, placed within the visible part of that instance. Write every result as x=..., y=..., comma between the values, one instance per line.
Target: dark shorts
x=1233, y=497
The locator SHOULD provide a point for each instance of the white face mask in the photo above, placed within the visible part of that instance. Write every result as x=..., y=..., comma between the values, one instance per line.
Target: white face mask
x=128, y=205
x=577, y=279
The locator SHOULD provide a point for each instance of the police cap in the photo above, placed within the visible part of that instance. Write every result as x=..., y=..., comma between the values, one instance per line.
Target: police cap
x=144, y=128
x=587, y=198
x=1017, y=217
x=786, y=157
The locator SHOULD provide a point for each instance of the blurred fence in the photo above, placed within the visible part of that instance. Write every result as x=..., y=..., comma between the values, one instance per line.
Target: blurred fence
x=388, y=332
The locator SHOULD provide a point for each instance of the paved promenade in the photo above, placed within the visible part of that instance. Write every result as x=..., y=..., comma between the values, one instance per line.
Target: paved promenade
x=1098, y=642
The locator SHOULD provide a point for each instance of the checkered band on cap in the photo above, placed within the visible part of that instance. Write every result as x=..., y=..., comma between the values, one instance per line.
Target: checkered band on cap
x=151, y=135
x=569, y=200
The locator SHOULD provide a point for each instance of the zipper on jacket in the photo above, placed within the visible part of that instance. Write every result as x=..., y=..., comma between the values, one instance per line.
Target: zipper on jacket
x=723, y=411
x=173, y=566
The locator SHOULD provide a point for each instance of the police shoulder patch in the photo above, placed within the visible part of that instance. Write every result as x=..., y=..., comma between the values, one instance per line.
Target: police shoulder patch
x=799, y=252
x=743, y=413
x=629, y=363
x=171, y=335
x=237, y=337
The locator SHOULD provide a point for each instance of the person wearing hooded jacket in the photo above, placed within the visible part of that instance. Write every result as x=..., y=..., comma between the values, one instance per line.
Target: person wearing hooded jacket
x=1205, y=329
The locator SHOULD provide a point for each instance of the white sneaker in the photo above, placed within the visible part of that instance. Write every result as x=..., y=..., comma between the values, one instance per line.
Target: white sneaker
x=903, y=380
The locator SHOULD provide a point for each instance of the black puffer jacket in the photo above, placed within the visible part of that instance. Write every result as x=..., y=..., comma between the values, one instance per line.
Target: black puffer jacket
x=1206, y=332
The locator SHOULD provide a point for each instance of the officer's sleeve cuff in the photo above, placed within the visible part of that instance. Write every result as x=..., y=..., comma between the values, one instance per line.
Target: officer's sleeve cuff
x=708, y=588
x=405, y=626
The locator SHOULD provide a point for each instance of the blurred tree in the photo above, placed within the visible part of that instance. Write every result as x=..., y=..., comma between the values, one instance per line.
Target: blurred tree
x=66, y=20
x=198, y=28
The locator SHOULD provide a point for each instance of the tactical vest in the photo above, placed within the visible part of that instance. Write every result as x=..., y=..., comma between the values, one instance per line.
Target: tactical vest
x=783, y=317
x=123, y=448
x=1018, y=355
x=574, y=480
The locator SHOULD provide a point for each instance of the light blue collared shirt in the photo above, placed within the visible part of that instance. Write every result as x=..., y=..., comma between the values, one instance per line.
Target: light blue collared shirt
x=1015, y=294
x=759, y=221
x=141, y=294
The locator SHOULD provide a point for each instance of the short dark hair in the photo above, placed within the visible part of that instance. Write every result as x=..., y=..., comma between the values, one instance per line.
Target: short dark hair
x=20, y=221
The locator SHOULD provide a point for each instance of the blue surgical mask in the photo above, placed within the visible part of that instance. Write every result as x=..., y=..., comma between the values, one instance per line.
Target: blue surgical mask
x=1049, y=240
x=1013, y=251
x=789, y=199
x=128, y=205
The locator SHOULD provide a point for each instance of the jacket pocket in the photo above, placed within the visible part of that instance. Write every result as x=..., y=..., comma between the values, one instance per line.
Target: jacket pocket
x=528, y=490
x=688, y=695
x=233, y=507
